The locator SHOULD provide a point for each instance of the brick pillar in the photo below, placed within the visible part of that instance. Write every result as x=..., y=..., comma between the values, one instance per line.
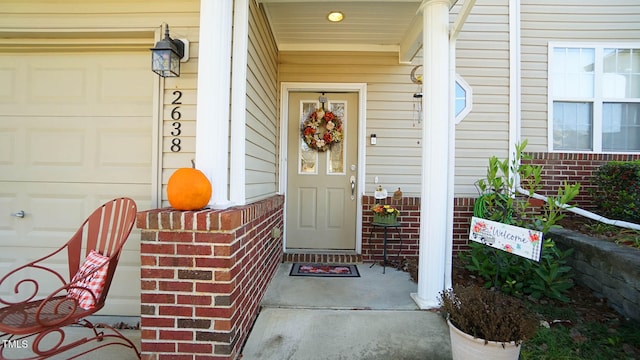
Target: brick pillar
x=203, y=276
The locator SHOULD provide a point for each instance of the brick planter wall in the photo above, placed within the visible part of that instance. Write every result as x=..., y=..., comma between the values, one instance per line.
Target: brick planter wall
x=611, y=271
x=203, y=276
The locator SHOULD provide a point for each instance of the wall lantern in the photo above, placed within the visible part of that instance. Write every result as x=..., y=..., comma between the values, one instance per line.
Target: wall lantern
x=168, y=54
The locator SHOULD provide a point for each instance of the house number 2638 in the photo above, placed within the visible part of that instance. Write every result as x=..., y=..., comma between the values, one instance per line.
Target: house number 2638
x=176, y=145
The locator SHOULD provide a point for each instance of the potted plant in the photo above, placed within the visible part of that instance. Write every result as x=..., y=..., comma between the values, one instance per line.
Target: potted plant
x=485, y=323
x=385, y=214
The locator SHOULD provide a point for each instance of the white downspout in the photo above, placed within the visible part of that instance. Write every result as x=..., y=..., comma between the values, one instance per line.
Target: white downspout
x=582, y=212
x=515, y=86
x=455, y=31
x=451, y=171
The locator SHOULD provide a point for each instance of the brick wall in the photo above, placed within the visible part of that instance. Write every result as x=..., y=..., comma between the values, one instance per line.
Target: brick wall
x=203, y=275
x=567, y=167
x=409, y=228
x=373, y=237
x=462, y=213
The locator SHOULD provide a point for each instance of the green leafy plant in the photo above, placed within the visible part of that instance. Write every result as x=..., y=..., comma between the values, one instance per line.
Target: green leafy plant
x=499, y=201
x=629, y=238
x=621, y=236
x=553, y=278
x=497, y=268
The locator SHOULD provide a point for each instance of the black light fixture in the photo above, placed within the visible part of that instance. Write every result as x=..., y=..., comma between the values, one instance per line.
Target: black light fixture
x=166, y=56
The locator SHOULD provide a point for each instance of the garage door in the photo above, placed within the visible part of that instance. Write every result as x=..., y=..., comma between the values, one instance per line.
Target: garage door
x=75, y=131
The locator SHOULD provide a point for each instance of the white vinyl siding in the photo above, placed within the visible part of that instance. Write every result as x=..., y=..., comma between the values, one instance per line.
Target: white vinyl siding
x=261, y=134
x=545, y=21
x=482, y=59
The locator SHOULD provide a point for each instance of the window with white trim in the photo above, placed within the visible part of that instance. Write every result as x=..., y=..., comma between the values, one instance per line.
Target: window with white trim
x=594, y=98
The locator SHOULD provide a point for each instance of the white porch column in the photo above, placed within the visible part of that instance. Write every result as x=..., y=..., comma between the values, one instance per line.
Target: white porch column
x=212, y=114
x=435, y=149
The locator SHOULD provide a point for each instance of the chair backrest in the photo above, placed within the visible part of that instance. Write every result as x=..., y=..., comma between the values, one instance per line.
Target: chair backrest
x=104, y=231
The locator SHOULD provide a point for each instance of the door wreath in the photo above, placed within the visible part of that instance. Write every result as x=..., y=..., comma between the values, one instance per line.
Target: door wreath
x=322, y=129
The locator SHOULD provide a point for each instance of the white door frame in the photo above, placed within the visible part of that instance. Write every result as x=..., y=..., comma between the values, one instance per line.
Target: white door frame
x=361, y=89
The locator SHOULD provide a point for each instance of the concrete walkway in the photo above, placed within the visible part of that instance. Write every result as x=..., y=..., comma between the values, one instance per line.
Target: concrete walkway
x=72, y=333
x=370, y=317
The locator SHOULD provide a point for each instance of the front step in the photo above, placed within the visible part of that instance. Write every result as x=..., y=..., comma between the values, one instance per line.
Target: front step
x=322, y=258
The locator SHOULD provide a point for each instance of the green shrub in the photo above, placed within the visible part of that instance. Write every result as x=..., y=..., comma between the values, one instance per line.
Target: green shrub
x=617, y=191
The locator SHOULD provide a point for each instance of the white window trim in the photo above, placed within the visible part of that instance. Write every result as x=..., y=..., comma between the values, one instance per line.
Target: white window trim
x=597, y=98
x=468, y=106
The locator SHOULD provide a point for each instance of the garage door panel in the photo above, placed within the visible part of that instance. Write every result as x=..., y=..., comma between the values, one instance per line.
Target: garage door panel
x=76, y=84
x=76, y=150
x=58, y=85
x=8, y=79
x=113, y=154
x=8, y=137
x=124, y=295
x=131, y=83
x=69, y=147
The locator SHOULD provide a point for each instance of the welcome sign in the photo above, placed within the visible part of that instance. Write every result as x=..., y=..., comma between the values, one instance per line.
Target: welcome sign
x=512, y=239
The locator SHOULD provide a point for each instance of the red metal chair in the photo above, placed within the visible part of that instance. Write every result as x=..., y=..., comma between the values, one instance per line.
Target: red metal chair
x=31, y=315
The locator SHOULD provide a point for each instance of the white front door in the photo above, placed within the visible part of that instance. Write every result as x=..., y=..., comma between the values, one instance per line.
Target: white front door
x=322, y=185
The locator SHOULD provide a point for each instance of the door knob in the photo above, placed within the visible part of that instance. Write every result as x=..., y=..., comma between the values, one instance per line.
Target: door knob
x=19, y=214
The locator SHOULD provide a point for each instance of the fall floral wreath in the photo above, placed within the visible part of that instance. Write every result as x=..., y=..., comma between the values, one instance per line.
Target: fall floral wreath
x=321, y=130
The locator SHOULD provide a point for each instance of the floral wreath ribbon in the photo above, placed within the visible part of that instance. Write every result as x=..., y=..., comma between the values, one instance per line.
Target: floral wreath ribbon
x=322, y=129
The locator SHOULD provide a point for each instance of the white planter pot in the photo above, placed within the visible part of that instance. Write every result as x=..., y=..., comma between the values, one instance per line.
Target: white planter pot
x=465, y=347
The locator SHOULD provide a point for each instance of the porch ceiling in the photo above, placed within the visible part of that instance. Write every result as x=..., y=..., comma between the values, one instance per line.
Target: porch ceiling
x=368, y=25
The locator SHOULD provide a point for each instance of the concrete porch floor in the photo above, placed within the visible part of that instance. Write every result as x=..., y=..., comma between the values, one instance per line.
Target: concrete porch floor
x=370, y=317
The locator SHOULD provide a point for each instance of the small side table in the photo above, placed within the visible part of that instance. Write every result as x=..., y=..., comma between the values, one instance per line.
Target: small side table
x=384, y=249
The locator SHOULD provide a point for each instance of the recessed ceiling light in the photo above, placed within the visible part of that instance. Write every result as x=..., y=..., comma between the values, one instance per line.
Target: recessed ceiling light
x=335, y=16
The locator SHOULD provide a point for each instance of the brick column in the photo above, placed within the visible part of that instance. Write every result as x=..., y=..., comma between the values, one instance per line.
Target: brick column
x=203, y=275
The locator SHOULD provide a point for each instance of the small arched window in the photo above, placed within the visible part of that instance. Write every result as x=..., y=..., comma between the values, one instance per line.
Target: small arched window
x=463, y=99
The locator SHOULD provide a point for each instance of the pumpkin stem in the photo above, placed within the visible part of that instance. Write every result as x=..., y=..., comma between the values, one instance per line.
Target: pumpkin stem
x=193, y=163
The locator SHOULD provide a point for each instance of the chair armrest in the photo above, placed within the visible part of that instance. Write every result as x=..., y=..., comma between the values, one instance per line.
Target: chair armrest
x=24, y=292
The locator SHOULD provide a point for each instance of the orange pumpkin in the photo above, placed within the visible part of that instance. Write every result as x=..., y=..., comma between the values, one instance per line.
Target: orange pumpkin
x=188, y=189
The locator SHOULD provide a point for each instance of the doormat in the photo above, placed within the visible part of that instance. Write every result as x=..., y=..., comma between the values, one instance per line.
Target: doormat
x=324, y=270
